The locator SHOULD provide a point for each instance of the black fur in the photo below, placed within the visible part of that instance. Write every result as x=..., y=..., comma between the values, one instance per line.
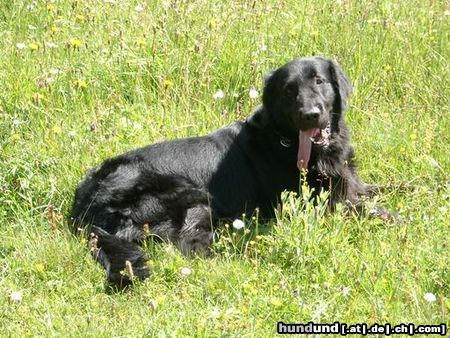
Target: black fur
x=177, y=190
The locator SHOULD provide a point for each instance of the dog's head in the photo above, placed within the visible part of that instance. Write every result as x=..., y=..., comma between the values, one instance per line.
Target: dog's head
x=304, y=94
x=304, y=97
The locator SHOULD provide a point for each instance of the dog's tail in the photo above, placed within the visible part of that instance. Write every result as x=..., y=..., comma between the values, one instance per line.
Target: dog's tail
x=123, y=260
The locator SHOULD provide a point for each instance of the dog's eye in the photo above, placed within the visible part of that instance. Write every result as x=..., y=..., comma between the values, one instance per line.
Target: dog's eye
x=319, y=81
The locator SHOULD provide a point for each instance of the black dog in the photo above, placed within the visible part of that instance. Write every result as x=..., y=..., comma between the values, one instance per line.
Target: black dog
x=178, y=190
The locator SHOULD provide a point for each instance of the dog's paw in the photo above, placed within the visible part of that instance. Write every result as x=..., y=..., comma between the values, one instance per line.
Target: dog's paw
x=126, y=276
x=385, y=215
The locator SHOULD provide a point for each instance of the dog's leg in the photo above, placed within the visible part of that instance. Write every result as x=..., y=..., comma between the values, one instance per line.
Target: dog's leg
x=196, y=233
x=122, y=259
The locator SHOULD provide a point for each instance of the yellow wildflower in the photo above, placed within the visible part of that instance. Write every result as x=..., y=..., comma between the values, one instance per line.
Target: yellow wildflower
x=212, y=23
x=75, y=43
x=34, y=46
x=56, y=130
x=387, y=68
x=413, y=137
x=80, y=18
x=82, y=84
x=141, y=42
x=15, y=137
x=167, y=84
x=275, y=302
x=40, y=267
x=54, y=29
x=50, y=7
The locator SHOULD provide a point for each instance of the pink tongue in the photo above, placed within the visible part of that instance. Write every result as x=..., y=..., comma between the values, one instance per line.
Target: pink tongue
x=304, y=147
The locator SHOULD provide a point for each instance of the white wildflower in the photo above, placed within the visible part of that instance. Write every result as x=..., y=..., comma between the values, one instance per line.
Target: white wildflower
x=230, y=311
x=320, y=310
x=238, y=224
x=185, y=271
x=15, y=297
x=55, y=71
x=218, y=95
x=345, y=291
x=51, y=44
x=21, y=45
x=215, y=313
x=139, y=8
x=253, y=93
x=31, y=7
x=430, y=297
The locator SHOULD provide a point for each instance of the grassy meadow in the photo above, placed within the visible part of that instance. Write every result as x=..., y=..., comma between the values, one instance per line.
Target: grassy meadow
x=81, y=81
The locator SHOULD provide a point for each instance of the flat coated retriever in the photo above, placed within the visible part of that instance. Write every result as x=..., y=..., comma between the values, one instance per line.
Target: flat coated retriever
x=178, y=190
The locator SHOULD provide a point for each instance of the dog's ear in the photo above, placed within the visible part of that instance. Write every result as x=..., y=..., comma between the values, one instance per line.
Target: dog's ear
x=342, y=90
x=260, y=117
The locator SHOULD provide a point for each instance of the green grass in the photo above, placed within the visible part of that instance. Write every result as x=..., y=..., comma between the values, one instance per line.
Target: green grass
x=135, y=77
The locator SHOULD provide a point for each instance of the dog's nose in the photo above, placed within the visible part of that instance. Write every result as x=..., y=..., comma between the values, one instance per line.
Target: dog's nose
x=313, y=114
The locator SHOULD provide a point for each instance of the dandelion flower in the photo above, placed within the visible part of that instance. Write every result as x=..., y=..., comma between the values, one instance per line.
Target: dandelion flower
x=40, y=267
x=167, y=84
x=218, y=95
x=82, y=84
x=185, y=271
x=15, y=296
x=54, y=29
x=50, y=7
x=253, y=93
x=15, y=137
x=34, y=46
x=275, y=302
x=141, y=42
x=75, y=43
x=80, y=18
x=430, y=297
x=56, y=130
x=413, y=137
x=238, y=224
x=21, y=45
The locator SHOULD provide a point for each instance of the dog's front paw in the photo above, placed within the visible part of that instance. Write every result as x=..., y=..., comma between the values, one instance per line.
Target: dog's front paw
x=385, y=215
